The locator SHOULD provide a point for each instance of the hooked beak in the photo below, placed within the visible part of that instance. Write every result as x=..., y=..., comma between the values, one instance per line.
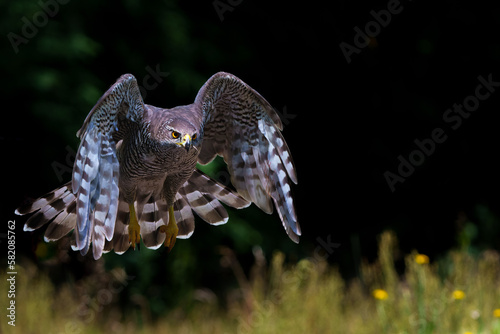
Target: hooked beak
x=186, y=142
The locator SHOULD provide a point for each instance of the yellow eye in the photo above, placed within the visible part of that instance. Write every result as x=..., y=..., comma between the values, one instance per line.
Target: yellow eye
x=194, y=136
x=175, y=134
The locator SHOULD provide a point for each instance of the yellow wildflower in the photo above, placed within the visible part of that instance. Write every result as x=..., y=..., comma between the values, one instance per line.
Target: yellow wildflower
x=380, y=294
x=458, y=295
x=421, y=259
x=496, y=313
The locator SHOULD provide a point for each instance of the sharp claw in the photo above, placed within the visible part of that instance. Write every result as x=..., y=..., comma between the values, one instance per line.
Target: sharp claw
x=170, y=230
x=171, y=236
x=134, y=238
x=134, y=230
x=171, y=241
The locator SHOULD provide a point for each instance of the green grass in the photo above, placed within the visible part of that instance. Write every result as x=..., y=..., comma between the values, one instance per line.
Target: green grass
x=457, y=294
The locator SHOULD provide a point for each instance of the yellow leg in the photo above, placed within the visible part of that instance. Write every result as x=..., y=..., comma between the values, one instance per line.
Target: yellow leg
x=171, y=229
x=134, y=230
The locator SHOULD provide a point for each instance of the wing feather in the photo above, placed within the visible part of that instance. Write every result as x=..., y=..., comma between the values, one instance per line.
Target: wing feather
x=90, y=203
x=243, y=128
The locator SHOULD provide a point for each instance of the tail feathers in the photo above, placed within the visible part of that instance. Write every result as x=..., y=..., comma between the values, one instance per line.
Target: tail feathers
x=57, y=208
x=204, y=194
x=43, y=201
x=62, y=224
x=206, y=206
x=120, y=242
x=208, y=186
x=200, y=194
x=183, y=215
x=153, y=216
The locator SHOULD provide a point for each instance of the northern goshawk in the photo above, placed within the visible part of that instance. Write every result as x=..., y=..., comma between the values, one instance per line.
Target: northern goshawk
x=135, y=170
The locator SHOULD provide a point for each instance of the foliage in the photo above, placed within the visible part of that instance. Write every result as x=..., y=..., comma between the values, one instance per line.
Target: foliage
x=459, y=293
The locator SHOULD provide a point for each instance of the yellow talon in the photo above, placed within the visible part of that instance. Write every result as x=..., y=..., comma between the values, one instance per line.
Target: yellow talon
x=134, y=230
x=171, y=230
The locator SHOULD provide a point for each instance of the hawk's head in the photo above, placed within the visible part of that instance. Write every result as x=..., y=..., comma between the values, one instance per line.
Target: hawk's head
x=173, y=126
x=181, y=133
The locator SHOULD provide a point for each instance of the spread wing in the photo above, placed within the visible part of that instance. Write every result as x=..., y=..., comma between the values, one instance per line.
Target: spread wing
x=243, y=128
x=95, y=173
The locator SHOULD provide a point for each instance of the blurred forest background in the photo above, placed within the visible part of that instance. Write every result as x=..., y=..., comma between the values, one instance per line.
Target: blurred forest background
x=345, y=122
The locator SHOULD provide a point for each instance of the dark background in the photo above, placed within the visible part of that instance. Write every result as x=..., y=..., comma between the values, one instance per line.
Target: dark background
x=346, y=123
